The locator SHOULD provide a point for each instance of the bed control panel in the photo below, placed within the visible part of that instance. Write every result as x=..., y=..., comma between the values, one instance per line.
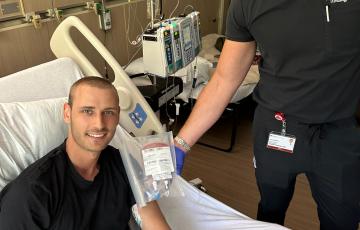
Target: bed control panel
x=138, y=116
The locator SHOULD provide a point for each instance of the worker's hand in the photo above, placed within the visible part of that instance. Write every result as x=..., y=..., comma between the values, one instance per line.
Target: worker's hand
x=180, y=157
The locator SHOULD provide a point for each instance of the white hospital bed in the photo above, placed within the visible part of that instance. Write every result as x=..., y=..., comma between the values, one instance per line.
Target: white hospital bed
x=31, y=125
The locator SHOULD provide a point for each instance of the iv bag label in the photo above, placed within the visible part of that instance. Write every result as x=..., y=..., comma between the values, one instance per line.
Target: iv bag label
x=158, y=162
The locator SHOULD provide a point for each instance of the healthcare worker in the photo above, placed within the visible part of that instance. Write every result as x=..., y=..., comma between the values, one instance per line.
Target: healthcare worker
x=307, y=97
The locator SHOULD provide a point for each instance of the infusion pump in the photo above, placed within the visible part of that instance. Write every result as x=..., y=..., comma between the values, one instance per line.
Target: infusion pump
x=171, y=45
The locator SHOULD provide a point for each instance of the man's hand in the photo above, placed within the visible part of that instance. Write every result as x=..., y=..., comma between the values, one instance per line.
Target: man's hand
x=180, y=157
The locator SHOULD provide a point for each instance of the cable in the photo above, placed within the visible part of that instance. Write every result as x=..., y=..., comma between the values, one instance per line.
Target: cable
x=193, y=84
x=54, y=11
x=52, y=5
x=185, y=8
x=147, y=26
x=174, y=9
x=138, y=37
x=176, y=109
x=171, y=120
x=138, y=41
x=138, y=21
x=126, y=32
x=105, y=63
x=103, y=9
x=134, y=18
x=127, y=23
x=103, y=5
x=166, y=91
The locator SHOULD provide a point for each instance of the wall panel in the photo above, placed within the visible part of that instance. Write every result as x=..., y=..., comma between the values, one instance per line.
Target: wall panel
x=89, y=51
x=24, y=46
x=208, y=12
x=35, y=45
x=41, y=5
x=11, y=52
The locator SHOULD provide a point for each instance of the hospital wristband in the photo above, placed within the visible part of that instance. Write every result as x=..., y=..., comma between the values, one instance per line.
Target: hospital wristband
x=182, y=143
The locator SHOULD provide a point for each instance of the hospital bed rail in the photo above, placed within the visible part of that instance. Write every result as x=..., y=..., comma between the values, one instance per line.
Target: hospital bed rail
x=132, y=103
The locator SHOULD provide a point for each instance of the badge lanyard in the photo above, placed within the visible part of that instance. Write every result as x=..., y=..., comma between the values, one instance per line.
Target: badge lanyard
x=281, y=117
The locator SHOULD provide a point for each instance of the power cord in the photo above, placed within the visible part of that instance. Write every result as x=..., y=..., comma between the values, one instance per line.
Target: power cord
x=186, y=7
x=105, y=63
x=174, y=9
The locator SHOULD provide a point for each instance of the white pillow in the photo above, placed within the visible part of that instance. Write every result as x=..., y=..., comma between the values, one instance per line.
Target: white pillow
x=135, y=67
x=29, y=130
x=48, y=80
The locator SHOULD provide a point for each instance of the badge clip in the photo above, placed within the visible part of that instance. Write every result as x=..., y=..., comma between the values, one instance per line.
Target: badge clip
x=281, y=141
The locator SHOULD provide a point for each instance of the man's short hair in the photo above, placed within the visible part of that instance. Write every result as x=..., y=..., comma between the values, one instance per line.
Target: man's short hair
x=97, y=82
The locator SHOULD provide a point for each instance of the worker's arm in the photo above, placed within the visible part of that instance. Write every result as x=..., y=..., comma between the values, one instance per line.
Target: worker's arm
x=152, y=218
x=234, y=63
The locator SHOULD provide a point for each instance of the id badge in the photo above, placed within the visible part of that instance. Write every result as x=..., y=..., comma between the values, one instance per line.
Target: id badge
x=281, y=142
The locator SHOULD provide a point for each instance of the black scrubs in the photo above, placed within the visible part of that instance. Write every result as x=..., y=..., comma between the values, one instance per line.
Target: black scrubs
x=310, y=71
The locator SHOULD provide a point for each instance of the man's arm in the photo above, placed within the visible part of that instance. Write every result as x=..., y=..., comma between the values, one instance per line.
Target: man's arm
x=234, y=63
x=152, y=218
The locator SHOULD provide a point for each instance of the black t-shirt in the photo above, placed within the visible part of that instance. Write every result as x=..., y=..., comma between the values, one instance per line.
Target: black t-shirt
x=50, y=194
x=311, y=59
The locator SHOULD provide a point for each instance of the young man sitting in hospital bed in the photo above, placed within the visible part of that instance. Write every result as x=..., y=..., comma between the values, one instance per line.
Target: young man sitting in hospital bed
x=81, y=184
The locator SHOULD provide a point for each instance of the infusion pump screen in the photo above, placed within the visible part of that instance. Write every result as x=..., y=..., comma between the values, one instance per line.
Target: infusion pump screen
x=187, y=37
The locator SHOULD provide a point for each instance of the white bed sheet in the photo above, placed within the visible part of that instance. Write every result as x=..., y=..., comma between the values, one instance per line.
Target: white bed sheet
x=199, y=211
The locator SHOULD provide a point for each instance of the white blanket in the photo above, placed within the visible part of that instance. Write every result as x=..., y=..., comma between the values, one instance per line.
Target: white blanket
x=200, y=211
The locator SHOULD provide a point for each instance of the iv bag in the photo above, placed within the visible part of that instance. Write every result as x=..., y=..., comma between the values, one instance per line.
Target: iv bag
x=150, y=164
